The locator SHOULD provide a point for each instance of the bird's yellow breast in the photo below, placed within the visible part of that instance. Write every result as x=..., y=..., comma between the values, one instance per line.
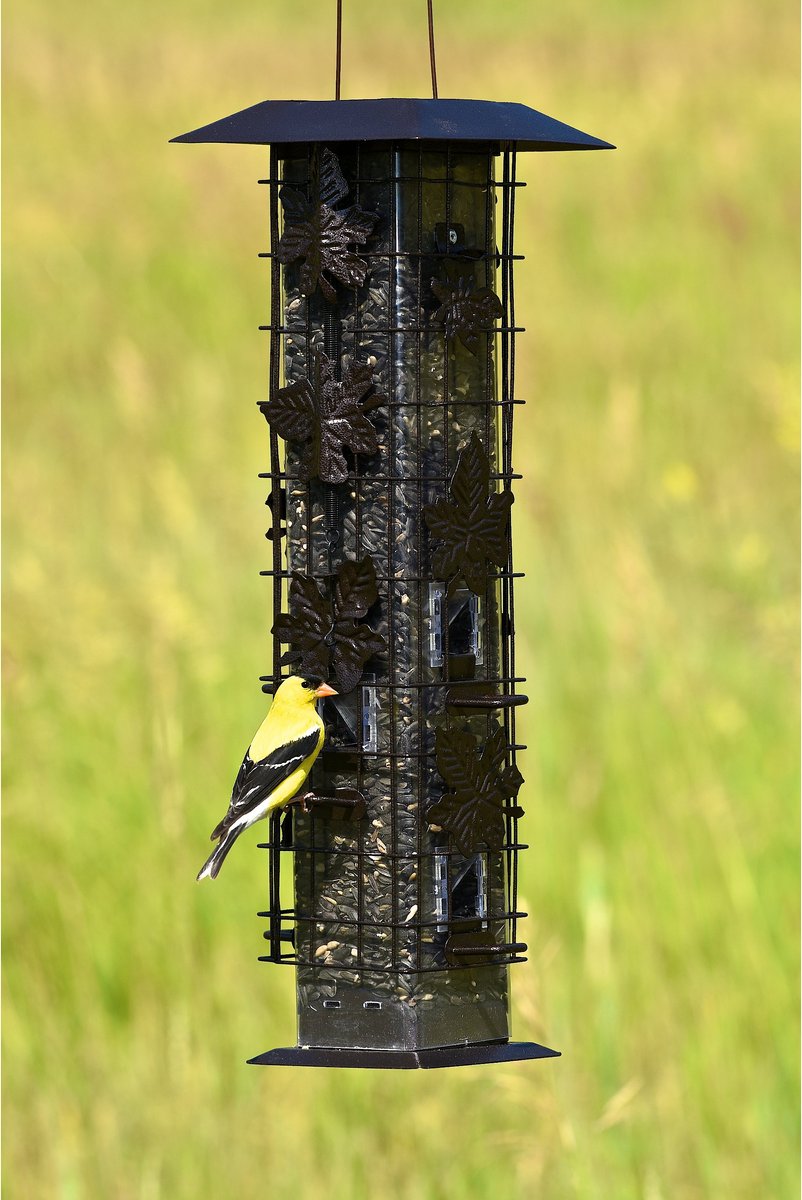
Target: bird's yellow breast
x=280, y=727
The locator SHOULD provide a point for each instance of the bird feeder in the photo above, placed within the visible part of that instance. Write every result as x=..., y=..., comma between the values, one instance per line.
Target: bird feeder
x=392, y=882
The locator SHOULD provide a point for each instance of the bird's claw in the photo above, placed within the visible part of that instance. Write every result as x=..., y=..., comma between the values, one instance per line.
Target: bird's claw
x=305, y=801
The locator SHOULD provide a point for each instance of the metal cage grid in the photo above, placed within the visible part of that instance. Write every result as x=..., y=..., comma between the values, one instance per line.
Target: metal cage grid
x=339, y=825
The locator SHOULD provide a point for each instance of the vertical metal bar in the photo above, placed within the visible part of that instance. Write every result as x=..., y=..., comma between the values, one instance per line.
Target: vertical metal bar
x=274, y=382
x=359, y=553
x=422, y=590
x=490, y=414
x=490, y=338
x=494, y=436
x=505, y=395
x=512, y=189
x=393, y=347
x=446, y=401
x=339, y=49
x=432, y=59
x=331, y=499
x=506, y=458
x=311, y=157
x=274, y=900
x=506, y=433
x=446, y=480
x=511, y=409
x=312, y=153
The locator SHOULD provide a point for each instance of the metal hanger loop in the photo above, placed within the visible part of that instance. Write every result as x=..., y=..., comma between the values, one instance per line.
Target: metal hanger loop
x=339, y=39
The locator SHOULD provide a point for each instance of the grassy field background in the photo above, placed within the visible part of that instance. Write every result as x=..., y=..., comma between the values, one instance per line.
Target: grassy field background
x=657, y=624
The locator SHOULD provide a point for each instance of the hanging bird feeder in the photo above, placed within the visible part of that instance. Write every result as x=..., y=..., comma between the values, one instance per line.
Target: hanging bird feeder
x=392, y=391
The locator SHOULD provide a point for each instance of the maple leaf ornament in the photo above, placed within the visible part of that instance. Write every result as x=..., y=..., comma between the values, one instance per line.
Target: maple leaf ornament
x=318, y=234
x=481, y=788
x=327, y=415
x=464, y=310
x=472, y=528
x=326, y=634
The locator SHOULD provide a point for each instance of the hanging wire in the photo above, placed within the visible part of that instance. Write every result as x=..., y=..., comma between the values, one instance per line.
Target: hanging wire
x=431, y=51
x=338, y=67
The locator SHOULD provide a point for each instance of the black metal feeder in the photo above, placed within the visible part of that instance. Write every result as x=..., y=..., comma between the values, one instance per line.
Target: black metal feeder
x=393, y=883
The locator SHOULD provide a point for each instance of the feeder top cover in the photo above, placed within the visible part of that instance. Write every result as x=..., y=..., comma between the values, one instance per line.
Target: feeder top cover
x=277, y=122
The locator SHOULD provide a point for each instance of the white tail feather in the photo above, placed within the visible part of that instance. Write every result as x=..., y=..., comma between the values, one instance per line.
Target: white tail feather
x=214, y=862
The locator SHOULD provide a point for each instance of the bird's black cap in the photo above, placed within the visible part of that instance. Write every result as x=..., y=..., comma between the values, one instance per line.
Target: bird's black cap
x=312, y=681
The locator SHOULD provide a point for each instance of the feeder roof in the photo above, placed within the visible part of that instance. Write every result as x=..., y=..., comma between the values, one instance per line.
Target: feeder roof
x=274, y=122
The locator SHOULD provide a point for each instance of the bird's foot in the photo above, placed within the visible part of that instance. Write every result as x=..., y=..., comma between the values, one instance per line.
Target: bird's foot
x=305, y=801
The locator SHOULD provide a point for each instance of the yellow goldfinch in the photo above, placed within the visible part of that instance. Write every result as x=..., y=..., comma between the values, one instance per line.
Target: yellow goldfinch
x=276, y=764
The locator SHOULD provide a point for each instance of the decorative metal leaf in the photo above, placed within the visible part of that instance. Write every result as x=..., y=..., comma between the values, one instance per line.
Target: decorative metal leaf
x=353, y=646
x=355, y=590
x=328, y=415
x=319, y=235
x=465, y=310
x=292, y=410
x=311, y=614
x=324, y=634
x=307, y=627
x=473, y=528
x=331, y=181
x=480, y=789
x=295, y=205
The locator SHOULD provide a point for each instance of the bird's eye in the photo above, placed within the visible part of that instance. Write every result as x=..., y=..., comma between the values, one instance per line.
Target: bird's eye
x=305, y=683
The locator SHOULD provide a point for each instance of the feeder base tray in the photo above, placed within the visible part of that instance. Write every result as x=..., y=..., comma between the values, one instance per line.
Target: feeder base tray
x=404, y=1060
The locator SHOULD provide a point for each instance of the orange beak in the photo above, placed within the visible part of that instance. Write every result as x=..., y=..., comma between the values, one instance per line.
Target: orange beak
x=324, y=690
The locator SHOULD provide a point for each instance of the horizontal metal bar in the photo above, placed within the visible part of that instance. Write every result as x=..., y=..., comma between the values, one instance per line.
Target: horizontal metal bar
x=378, y=330
x=418, y=686
x=371, y=856
x=285, y=573
x=457, y=701
x=363, y=968
x=354, y=477
x=436, y=923
x=494, y=256
x=356, y=751
x=502, y=184
x=347, y=798
x=502, y=948
x=314, y=800
x=392, y=405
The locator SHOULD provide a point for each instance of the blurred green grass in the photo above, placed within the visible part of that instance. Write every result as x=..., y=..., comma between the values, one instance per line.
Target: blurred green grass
x=657, y=523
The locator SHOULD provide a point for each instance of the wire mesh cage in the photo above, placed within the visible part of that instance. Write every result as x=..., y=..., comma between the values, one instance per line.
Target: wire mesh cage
x=392, y=883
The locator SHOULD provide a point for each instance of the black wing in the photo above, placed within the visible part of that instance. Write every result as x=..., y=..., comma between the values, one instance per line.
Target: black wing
x=256, y=780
